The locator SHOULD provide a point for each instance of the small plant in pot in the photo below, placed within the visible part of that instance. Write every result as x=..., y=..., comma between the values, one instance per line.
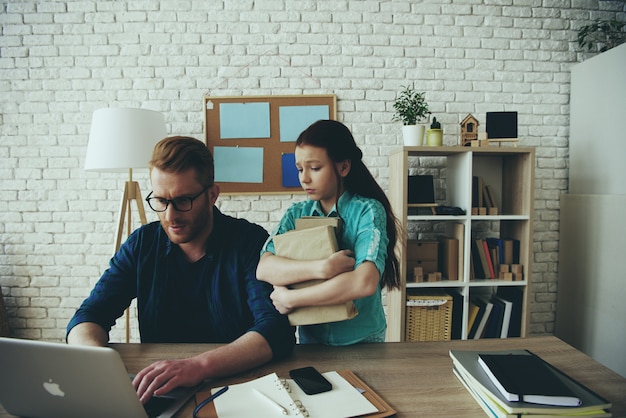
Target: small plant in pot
x=434, y=136
x=411, y=109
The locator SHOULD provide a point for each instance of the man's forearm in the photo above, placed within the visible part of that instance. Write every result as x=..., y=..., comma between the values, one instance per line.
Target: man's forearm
x=88, y=333
x=246, y=352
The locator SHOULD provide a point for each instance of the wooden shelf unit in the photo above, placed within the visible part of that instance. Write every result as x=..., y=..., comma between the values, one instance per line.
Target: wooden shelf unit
x=510, y=173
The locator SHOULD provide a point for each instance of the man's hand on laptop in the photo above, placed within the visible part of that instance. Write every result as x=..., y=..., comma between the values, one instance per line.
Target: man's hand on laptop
x=163, y=376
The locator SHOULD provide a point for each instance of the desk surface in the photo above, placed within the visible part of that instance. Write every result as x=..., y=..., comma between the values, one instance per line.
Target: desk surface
x=415, y=378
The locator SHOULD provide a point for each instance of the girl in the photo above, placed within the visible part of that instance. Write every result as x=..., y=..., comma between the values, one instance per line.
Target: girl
x=338, y=184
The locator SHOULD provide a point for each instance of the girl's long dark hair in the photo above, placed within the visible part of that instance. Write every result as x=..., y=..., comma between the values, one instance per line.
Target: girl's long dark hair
x=339, y=143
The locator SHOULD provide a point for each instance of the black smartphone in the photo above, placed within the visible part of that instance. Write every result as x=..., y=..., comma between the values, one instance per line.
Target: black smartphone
x=310, y=380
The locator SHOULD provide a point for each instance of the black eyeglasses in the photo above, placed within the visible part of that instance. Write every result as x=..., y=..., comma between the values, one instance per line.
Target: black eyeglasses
x=181, y=204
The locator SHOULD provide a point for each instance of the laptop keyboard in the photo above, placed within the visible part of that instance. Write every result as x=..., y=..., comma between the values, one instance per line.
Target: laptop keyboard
x=155, y=406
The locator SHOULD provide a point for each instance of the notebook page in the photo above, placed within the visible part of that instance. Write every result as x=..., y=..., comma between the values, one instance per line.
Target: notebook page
x=343, y=400
x=243, y=399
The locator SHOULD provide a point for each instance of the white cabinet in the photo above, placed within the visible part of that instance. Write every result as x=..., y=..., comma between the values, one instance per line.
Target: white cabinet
x=509, y=171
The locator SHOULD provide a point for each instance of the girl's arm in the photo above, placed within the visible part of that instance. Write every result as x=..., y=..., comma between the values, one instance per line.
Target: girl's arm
x=344, y=287
x=282, y=271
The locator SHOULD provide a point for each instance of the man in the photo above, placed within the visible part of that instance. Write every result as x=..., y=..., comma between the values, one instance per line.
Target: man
x=194, y=276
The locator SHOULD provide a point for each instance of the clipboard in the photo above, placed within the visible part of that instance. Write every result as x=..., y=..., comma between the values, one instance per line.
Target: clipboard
x=384, y=409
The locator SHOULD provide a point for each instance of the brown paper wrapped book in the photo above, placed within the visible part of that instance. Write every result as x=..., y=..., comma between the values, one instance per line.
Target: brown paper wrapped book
x=313, y=243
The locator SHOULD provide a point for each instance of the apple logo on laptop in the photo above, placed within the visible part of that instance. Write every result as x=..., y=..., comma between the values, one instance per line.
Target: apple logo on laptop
x=53, y=388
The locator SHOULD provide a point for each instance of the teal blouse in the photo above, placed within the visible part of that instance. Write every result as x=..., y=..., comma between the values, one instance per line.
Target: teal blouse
x=364, y=232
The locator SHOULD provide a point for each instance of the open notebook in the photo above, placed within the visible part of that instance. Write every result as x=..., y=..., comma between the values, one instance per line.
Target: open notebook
x=350, y=397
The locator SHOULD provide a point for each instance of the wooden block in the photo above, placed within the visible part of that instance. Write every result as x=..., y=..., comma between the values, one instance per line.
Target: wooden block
x=517, y=268
x=482, y=211
x=492, y=211
x=474, y=211
x=484, y=143
x=434, y=277
x=475, y=143
x=505, y=275
x=517, y=277
x=418, y=273
x=428, y=266
x=505, y=268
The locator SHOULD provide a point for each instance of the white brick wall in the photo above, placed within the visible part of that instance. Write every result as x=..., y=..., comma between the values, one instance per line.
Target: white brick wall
x=61, y=60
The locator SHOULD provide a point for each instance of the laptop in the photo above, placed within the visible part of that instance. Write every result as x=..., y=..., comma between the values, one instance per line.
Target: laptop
x=54, y=380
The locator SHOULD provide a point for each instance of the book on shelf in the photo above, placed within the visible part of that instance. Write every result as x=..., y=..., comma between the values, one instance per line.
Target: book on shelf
x=467, y=368
x=472, y=312
x=488, y=258
x=496, y=322
x=269, y=395
x=495, y=250
x=313, y=243
x=478, y=185
x=457, y=314
x=498, y=245
x=479, y=262
x=493, y=327
x=515, y=295
x=507, y=310
x=491, y=196
x=486, y=198
x=484, y=311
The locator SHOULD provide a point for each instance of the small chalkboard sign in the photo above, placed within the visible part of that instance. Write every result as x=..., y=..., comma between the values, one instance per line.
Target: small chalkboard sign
x=501, y=126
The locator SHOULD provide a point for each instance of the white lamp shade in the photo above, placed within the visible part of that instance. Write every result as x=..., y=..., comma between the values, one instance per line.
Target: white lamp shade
x=123, y=138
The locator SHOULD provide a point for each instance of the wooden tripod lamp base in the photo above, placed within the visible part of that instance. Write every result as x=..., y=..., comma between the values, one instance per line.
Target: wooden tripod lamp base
x=131, y=193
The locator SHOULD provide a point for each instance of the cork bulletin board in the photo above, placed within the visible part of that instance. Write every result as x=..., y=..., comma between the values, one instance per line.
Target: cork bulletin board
x=252, y=139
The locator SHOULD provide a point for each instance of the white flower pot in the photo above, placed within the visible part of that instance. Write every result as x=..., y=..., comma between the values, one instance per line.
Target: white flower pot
x=413, y=135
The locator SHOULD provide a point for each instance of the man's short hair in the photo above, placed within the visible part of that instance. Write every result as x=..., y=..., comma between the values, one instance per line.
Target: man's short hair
x=175, y=154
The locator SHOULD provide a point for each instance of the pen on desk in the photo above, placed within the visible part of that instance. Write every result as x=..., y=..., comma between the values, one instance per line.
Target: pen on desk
x=209, y=399
x=273, y=402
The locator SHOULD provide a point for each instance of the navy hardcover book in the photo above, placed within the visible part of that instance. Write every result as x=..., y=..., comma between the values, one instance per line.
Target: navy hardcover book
x=527, y=378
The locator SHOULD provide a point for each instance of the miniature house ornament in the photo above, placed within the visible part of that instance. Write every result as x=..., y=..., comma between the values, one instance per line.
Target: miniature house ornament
x=469, y=130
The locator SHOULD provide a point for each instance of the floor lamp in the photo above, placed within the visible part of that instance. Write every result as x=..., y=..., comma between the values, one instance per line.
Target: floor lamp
x=121, y=139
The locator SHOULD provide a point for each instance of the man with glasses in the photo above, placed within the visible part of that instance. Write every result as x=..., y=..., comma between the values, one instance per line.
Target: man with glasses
x=193, y=274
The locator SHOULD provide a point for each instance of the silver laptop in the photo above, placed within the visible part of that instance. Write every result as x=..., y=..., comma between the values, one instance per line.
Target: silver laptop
x=53, y=380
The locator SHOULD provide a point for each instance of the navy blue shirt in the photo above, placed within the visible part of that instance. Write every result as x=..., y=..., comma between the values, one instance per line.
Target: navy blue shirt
x=213, y=300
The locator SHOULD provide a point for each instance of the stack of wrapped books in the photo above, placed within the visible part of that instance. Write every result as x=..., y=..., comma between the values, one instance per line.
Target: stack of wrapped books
x=314, y=238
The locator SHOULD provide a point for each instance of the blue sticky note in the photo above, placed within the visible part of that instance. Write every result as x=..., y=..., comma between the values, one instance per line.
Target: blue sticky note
x=295, y=119
x=238, y=164
x=244, y=120
x=290, y=172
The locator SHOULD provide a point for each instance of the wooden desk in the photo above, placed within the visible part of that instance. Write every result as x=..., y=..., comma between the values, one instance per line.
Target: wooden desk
x=415, y=378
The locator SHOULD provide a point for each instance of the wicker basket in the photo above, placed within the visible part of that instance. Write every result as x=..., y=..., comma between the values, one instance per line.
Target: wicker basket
x=428, y=317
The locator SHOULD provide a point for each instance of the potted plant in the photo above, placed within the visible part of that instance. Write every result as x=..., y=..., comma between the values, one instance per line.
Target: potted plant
x=434, y=136
x=412, y=110
x=602, y=35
